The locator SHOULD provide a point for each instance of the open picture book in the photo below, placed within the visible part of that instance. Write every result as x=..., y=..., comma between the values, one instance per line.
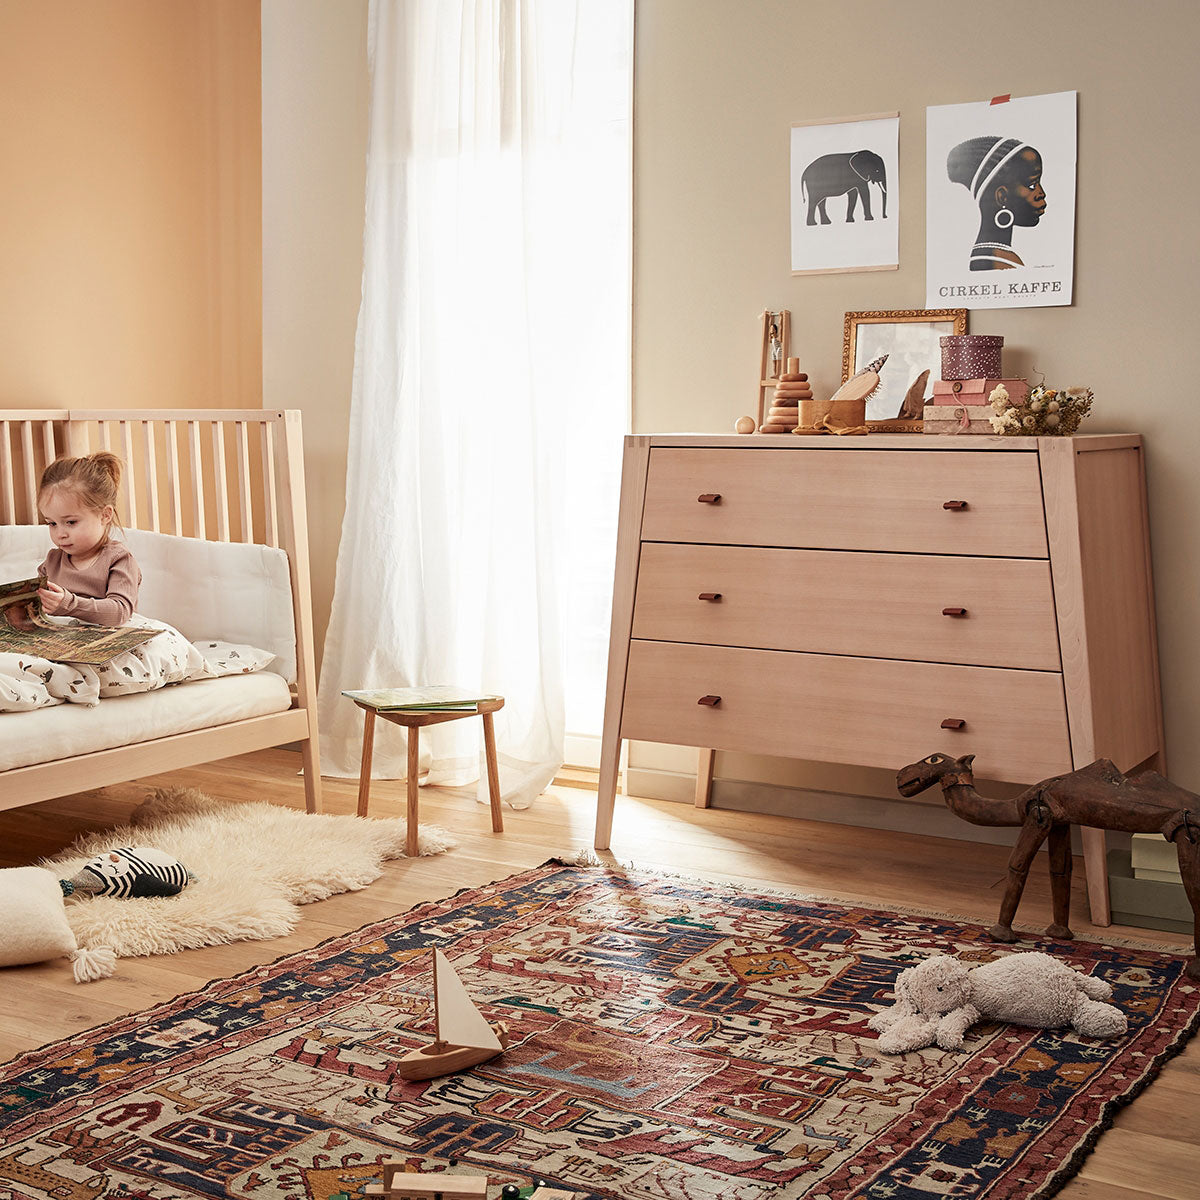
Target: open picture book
x=438, y=698
x=25, y=629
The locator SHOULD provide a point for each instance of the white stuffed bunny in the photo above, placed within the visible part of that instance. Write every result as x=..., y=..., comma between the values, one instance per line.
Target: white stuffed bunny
x=940, y=999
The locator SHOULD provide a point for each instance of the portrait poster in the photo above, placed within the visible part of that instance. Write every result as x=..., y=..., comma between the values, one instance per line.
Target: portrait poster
x=845, y=200
x=1000, y=203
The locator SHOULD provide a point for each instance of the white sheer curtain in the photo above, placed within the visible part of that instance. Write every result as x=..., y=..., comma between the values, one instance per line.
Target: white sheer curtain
x=491, y=372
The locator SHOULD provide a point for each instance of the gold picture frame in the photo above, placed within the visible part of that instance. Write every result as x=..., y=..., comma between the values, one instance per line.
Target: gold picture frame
x=909, y=337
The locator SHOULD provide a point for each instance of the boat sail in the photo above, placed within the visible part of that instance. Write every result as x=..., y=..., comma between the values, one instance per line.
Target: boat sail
x=464, y=1038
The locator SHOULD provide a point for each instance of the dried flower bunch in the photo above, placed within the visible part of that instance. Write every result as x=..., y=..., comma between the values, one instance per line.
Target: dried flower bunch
x=1047, y=411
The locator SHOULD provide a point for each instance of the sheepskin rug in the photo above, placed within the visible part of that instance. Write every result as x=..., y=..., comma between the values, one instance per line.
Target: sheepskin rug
x=253, y=863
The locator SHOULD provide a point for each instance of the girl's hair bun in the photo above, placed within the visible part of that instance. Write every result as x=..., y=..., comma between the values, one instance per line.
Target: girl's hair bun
x=94, y=478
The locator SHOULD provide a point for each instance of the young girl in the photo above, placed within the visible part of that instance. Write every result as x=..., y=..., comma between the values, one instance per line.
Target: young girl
x=87, y=575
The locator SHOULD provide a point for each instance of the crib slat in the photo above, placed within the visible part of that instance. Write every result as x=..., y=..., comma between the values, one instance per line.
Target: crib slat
x=48, y=442
x=128, y=476
x=221, y=483
x=196, y=463
x=173, y=479
x=243, y=476
x=30, y=472
x=105, y=440
x=271, y=522
x=8, y=504
x=151, y=475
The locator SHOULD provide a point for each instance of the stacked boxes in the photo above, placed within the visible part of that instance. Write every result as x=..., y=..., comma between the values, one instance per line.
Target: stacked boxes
x=970, y=373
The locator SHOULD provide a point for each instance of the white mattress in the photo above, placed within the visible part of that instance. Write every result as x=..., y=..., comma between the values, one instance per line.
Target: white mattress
x=47, y=734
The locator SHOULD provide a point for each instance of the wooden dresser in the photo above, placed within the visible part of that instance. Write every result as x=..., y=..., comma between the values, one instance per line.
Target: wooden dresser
x=870, y=600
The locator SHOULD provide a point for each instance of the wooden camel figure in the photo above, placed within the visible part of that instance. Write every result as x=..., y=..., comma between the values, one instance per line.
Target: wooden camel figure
x=1098, y=796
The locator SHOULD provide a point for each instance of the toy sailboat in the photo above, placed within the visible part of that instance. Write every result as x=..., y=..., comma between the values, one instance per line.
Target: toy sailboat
x=463, y=1037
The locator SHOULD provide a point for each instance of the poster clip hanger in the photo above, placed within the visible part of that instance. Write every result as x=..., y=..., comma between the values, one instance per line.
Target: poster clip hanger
x=1002, y=99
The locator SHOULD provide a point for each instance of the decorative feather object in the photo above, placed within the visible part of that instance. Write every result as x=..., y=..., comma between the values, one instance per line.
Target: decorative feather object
x=914, y=399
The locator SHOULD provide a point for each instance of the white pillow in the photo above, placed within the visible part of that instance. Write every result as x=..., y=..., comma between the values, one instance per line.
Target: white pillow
x=33, y=925
x=166, y=658
x=224, y=658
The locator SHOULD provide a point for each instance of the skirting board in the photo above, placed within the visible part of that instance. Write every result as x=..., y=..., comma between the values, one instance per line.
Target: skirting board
x=739, y=795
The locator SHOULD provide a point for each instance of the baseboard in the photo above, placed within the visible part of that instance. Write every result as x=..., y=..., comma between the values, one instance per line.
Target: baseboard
x=869, y=812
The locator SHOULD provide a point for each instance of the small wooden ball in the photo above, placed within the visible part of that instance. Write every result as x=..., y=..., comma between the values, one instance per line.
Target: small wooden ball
x=744, y=425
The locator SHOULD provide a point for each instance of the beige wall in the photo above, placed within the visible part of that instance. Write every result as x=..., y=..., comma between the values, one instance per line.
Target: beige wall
x=130, y=229
x=718, y=83
x=314, y=112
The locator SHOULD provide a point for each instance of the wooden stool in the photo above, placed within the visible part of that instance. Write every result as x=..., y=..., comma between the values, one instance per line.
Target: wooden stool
x=412, y=720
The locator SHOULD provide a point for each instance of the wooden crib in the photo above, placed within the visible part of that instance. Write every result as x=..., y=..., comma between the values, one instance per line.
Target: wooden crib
x=221, y=475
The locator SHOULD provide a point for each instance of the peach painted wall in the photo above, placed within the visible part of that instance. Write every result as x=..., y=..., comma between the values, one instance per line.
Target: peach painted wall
x=130, y=215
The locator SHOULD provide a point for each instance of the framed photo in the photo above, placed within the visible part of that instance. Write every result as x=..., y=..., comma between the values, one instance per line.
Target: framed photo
x=910, y=339
x=844, y=214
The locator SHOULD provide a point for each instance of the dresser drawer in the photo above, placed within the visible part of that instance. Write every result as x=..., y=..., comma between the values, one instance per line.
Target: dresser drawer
x=830, y=602
x=848, y=500
x=874, y=712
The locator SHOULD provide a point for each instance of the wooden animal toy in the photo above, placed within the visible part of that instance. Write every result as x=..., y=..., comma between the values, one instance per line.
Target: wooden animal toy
x=463, y=1038
x=1098, y=796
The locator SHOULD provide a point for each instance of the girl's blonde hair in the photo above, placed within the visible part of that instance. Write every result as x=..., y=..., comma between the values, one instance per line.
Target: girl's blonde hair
x=94, y=478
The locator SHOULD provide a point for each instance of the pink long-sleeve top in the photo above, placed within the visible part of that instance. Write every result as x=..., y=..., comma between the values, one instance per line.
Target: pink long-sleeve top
x=104, y=592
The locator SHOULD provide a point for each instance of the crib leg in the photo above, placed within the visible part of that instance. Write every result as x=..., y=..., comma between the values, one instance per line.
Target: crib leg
x=312, y=775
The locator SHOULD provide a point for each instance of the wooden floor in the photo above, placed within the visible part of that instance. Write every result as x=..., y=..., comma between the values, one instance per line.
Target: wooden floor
x=1153, y=1150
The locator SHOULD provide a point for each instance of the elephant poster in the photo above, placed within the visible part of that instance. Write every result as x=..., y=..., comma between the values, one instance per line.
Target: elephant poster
x=1000, y=202
x=845, y=197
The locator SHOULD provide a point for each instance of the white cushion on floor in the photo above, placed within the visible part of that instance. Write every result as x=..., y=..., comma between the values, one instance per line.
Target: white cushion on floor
x=35, y=923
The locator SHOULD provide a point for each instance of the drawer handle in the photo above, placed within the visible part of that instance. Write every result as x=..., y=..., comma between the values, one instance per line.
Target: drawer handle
x=709, y=701
x=712, y=596
x=954, y=723
x=710, y=498
x=954, y=612
x=955, y=505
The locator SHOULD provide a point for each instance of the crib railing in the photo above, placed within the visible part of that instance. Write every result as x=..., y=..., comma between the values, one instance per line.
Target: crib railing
x=28, y=442
x=223, y=475
x=217, y=474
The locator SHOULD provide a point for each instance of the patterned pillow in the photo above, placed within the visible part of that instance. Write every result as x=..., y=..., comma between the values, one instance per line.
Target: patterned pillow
x=225, y=658
x=167, y=658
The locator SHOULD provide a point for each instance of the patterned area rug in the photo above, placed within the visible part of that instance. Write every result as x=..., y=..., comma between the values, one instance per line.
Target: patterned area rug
x=673, y=1041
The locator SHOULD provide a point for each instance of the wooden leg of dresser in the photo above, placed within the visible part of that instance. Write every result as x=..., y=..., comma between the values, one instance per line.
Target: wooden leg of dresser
x=1095, y=864
x=704, y=777
x=610, y=761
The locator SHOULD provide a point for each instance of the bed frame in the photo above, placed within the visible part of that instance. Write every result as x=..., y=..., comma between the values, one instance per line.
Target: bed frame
x=218, y=474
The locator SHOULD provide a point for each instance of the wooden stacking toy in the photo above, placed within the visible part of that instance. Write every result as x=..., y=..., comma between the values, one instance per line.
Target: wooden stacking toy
x=783, y=415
